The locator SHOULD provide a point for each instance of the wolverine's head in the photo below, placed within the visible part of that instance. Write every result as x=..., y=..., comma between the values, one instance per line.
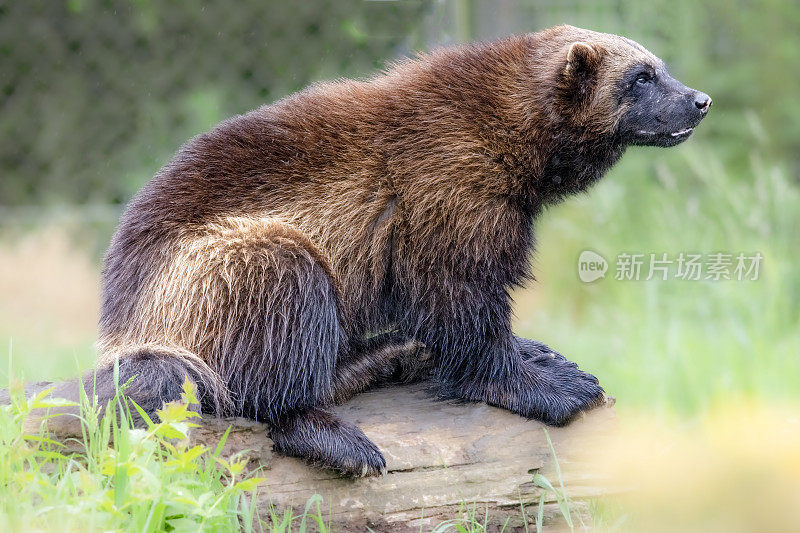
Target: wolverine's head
x=607, y=83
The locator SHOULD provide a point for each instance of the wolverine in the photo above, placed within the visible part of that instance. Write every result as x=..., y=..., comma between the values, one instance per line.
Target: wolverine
x=299, y=253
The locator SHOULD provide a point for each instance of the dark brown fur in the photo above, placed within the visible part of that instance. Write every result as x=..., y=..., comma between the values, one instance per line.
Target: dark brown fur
x=272, y=248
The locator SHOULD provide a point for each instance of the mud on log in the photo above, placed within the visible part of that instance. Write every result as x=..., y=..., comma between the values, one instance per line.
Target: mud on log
x=440, y=458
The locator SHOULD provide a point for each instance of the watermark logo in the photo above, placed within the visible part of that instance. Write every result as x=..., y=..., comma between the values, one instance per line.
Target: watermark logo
x=591, y=266
x=717, y=266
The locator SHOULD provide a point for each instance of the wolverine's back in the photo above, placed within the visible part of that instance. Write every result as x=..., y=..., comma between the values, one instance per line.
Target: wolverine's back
x=341, y=162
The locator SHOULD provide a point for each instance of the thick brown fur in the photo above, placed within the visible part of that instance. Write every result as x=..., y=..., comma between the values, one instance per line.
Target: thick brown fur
x=269, y=252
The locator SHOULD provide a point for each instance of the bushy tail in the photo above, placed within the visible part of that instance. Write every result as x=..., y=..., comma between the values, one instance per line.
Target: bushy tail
x=149, y=375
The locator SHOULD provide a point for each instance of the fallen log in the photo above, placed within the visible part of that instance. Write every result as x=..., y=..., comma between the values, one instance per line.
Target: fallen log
x=443, y=460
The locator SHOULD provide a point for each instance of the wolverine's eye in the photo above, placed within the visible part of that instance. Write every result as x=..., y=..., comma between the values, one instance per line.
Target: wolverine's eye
x=644, y=78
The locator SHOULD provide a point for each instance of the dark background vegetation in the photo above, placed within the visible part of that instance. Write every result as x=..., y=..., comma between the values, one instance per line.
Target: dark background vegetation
x=96, y=95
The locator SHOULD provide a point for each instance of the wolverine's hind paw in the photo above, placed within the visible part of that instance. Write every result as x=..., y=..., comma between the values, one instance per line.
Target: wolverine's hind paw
x=321, y=438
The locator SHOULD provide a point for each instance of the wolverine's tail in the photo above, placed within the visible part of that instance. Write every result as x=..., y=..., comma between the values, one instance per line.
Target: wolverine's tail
x=150, y=375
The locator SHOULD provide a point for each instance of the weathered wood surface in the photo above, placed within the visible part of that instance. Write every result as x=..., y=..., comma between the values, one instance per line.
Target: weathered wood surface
x=439, y=457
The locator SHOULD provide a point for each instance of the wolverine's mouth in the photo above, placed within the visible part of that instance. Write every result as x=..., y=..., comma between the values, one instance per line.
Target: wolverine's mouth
x=681, y=133
x=674, y=134
x=663, y=138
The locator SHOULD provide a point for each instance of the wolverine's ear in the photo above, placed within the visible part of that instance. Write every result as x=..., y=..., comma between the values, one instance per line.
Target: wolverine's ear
x=582, y=59
x=576, y=85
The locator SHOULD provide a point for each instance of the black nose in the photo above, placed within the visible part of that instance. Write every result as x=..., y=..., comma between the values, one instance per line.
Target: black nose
x=702, y=101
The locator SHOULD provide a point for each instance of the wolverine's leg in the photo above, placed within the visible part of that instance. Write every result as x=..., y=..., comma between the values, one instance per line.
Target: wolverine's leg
x=266, y=312
x=468, y=330
x=255, y=299
x=385, y=357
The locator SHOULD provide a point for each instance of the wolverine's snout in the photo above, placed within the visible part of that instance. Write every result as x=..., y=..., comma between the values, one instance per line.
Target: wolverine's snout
x=702, y=101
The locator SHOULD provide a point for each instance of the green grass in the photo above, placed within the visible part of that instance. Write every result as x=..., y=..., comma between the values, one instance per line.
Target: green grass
x=116, y=476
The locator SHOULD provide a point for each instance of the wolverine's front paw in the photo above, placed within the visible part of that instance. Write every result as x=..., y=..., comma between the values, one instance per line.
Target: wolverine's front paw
x=560, y=390
x=544, y=386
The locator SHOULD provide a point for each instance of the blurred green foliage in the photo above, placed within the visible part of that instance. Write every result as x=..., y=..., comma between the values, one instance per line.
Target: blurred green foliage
x=676, y=345
x=95, y=95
